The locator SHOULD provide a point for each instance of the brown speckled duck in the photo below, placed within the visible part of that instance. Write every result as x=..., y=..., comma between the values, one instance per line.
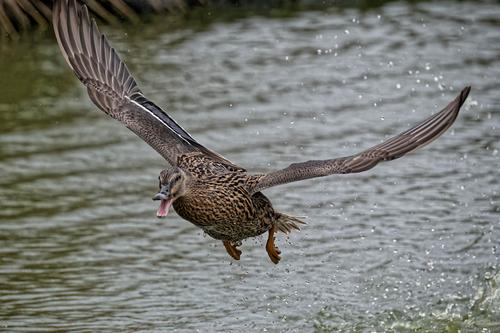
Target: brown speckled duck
x=203, y=187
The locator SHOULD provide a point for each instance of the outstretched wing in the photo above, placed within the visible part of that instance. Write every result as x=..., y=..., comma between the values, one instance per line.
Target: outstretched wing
x=112, y=88
x=395, y=147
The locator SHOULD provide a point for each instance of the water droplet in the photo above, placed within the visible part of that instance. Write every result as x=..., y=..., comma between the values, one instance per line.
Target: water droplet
x=398, y=86
x=319, y=51
x=346, y=32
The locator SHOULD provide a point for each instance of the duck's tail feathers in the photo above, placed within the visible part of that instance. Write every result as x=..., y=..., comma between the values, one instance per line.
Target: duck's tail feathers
x=287, y=223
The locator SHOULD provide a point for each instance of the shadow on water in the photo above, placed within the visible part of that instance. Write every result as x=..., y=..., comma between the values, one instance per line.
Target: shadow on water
x=19, y=16
x=411, y=246
x=26, y=98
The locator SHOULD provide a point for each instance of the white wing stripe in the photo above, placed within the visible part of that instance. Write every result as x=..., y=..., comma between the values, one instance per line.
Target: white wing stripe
x=158, y=118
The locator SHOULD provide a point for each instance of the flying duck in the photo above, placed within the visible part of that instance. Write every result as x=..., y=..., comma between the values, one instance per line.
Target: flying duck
x=203, y=187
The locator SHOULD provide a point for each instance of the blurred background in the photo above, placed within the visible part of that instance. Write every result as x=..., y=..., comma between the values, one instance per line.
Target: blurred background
x=410, y=246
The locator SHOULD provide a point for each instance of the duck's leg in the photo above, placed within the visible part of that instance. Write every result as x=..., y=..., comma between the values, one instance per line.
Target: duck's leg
x=272, y=250
x=232, y=249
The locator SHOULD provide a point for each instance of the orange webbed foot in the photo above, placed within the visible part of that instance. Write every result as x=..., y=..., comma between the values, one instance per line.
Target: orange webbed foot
x=232, y=250
x=272, y=250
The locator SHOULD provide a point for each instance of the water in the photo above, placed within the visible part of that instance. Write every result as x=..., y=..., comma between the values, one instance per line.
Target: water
x=411, y=245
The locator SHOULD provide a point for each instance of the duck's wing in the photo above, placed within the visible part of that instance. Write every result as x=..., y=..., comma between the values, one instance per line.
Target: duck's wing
x=416, y=137
x=112, y=88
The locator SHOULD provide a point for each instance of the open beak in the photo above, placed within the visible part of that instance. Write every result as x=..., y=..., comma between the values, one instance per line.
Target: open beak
x=166, y=201
x=160, y=196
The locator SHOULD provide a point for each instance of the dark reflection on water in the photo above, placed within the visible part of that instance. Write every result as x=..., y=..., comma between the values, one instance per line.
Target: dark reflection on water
x=411, y=245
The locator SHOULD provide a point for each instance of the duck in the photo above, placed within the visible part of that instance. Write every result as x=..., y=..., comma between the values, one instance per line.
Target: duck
x=203, y=187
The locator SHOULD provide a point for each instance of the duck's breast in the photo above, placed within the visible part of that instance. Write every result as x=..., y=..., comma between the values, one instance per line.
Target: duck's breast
x=213, y=206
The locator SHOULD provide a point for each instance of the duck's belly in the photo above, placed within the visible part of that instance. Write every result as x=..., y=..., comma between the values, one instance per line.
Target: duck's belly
x=227, y=216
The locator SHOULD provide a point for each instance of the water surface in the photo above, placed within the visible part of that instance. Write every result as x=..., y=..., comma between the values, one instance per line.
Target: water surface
x=411, y=245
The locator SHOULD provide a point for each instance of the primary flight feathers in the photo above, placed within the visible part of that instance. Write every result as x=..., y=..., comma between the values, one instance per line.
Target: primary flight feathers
x=395, y=147
x=113, y=89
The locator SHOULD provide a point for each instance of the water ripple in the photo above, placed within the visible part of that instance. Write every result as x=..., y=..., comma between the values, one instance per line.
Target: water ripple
x=409, y=245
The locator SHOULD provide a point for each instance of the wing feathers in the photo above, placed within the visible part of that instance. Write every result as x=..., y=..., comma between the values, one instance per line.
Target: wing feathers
x=87, y=51
x=416, y=137
x=112, y=88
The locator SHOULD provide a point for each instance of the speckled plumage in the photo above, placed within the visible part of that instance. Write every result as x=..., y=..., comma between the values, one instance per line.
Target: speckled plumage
x=204, y=187
x=219, y=201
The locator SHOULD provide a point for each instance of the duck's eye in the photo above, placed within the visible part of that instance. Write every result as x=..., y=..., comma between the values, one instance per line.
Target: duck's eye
x=176, y=179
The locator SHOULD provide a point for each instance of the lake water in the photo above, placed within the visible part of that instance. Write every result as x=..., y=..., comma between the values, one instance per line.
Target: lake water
x=410, y=246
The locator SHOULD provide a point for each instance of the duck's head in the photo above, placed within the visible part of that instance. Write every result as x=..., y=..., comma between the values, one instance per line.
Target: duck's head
x=173, y=183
